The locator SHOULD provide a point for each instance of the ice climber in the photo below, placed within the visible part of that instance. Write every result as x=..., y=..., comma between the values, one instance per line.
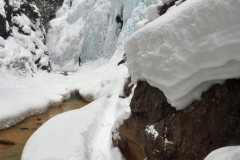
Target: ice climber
x=119, y=20
x=79, y=61
x=124, y=59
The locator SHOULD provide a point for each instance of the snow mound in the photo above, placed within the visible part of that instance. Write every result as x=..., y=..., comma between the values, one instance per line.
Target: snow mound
x=39, y=97
x=225, y=153
x=153, y=12
x=187, y=50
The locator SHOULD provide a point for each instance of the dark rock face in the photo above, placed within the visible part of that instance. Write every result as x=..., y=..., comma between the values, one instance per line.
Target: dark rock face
x=47, y=9
x=165, y=7
x=128, y=87
x=188, y=134
x=4, y=31
x=6, y=142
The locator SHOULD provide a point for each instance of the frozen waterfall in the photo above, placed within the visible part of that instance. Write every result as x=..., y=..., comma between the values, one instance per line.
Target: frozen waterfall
x=88, y=29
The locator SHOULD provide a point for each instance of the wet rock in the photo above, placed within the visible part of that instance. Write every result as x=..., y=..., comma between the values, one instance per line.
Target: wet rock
x=188, y=134
x=6, y=142
x=24, y=128
x=64, y=73
x=128, y=86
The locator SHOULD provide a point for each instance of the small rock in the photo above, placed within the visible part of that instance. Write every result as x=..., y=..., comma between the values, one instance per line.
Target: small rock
x=24, y=128
x=6, y=142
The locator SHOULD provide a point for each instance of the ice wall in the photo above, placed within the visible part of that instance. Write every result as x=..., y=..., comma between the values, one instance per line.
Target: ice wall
x=88, y=29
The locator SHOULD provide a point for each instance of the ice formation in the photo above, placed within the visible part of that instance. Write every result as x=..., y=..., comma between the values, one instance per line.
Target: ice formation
x=188, y=49
x=88, y=29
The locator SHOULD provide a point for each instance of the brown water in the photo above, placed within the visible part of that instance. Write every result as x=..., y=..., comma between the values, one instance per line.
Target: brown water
x=20, y=133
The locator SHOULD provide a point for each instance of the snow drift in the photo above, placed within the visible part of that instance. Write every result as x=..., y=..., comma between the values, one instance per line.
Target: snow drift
x=187, y=49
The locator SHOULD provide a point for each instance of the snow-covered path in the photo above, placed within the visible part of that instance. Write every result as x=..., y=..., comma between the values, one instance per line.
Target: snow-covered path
x=101, y=139
x=103, y=136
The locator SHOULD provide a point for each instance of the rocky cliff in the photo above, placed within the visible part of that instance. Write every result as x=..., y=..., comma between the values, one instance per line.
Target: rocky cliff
x=47, y=9
x=156, y=131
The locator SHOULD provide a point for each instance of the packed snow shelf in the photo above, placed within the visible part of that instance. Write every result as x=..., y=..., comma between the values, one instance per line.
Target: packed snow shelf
x=188, y=49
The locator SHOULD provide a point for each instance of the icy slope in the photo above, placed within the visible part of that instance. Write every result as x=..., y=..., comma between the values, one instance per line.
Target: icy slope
x=188, y=49
x=88, y=29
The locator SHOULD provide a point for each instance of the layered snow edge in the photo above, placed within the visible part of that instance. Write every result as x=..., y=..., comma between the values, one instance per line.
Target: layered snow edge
x=188, y=49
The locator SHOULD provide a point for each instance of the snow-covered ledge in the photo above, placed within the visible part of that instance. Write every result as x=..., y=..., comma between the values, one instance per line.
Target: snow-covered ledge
x=188, y=49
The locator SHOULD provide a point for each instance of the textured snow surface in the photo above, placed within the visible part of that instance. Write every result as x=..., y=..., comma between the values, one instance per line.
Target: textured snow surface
x=80, y=134
x=84, y=133
x=24, y=96
x=225, y=153
x=87, y=134
x=188, y=49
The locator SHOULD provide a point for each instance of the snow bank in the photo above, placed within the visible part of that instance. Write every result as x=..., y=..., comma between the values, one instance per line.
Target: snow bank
x=152, y=14
x=225, y=153
x=187, y=50
x=34, y=98
x=85, y=133
x=73, y=142
x=15, y=107
x=153, y=11
x=24, y=96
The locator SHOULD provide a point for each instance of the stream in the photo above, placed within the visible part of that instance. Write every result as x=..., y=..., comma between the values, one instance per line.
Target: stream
x=13, y=139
